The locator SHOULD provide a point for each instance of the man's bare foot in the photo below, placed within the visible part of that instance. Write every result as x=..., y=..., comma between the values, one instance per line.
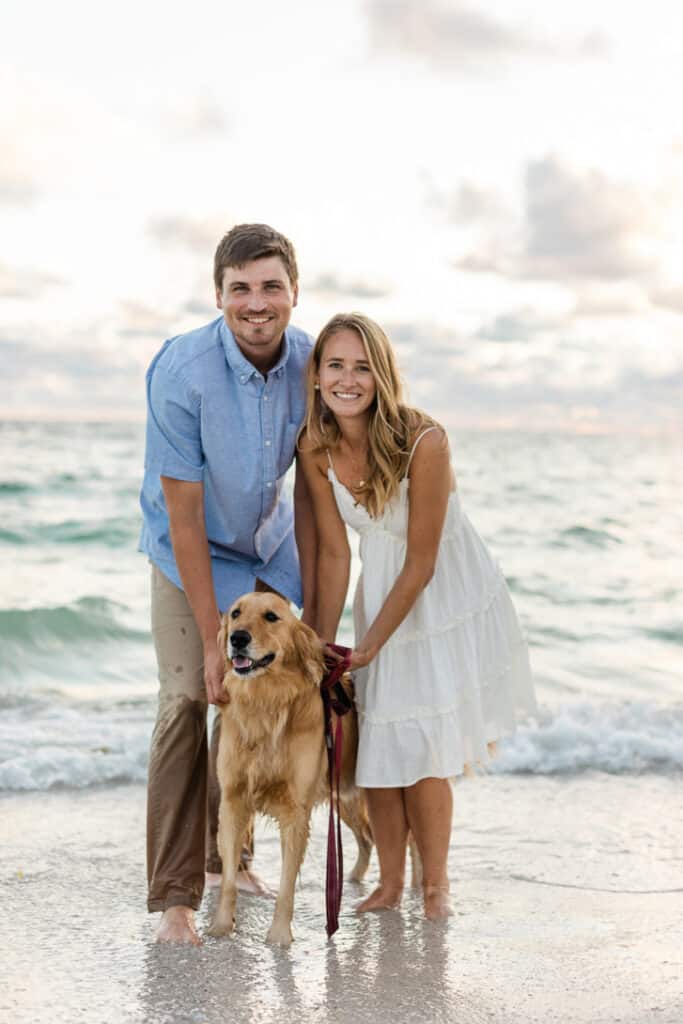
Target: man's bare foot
x=248, y=882
x=437, y=902
x=177, y=925
x=385, y=897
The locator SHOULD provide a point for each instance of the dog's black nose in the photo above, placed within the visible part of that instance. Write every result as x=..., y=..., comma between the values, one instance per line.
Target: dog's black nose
x=240, y=639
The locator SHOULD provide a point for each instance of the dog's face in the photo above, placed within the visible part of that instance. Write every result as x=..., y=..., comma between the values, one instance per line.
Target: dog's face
x=260, y=631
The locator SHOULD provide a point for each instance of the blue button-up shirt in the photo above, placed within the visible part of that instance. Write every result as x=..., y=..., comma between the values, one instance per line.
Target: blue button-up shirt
x=212, y=417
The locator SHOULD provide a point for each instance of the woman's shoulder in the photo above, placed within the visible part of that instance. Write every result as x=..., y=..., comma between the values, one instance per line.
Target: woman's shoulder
x=425, y=431
x=311, y=452
x=305, y=444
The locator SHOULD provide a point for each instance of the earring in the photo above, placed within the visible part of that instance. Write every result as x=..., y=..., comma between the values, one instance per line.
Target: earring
x=316, y=386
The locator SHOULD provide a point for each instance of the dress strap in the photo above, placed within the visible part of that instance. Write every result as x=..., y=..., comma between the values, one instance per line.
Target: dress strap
x=415, y=444
x=329, y=459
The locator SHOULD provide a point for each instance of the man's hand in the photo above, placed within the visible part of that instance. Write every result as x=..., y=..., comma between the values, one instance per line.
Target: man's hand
x=214, y=670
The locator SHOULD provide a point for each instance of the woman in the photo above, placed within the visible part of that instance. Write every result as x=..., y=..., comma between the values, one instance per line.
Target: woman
x=439, y=656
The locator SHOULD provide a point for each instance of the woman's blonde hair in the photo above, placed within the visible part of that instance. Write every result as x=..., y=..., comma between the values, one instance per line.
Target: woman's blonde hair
x=392, y=424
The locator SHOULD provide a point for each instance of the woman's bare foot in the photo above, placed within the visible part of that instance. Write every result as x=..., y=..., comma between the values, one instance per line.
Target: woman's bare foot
x=177, y=925
x=437, y=902
x=385, y=897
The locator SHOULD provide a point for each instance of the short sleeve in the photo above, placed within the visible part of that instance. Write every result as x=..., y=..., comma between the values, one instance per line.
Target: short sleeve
x=174, y=443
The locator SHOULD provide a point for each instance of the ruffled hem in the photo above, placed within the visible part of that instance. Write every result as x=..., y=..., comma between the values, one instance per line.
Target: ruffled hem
x=412, y=741
x=422, y=752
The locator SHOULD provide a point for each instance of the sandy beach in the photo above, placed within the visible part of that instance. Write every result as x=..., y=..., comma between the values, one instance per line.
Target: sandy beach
x=568, y=893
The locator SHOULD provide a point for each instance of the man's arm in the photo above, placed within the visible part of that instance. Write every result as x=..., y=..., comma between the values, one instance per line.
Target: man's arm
x=306, y=542
x=185, y=505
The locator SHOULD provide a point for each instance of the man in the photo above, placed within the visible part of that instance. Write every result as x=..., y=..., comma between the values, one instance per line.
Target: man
x=225, y=403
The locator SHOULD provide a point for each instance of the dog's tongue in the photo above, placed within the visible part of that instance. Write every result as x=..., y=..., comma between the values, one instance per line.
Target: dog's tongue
x=239, y=661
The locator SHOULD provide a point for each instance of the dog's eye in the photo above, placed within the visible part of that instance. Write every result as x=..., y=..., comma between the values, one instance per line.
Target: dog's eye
x=271, y=617
x=235, y=613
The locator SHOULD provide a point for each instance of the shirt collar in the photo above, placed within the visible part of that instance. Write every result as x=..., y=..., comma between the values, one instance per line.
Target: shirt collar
x=238, y=362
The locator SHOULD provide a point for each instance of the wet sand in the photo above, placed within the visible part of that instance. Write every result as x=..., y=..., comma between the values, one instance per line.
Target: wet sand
x=568, y=892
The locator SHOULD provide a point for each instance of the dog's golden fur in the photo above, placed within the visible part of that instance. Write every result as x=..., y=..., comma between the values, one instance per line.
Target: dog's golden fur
x=272, y=756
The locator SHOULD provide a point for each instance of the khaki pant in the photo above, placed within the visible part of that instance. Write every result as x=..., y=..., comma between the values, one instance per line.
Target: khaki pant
x=183, y=795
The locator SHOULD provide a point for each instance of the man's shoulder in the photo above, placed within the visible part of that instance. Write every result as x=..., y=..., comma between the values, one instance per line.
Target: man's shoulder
x=300, y=344
x=184, y=355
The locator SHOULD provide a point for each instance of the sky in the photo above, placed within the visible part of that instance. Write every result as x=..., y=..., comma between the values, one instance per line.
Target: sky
x=498, y=184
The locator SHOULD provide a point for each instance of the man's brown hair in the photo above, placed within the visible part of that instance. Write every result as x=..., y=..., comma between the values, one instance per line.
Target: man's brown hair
x=247, y=242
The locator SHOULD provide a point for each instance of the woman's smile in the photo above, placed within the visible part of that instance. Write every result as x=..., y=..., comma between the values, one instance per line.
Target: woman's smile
x=346, y=379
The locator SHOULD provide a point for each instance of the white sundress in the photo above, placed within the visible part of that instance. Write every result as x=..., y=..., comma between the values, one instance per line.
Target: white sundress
x=451, y=677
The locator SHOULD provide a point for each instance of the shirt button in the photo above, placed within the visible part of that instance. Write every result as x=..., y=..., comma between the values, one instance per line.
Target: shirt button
x=265, y=398
x=267, y=444
x=243, y=380
x=269, y=484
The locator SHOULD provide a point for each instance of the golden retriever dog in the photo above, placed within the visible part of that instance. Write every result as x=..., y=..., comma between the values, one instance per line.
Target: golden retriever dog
x=272, y=754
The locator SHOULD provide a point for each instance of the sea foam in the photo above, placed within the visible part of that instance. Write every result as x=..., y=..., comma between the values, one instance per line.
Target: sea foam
x=78, y=747
x=632, y=737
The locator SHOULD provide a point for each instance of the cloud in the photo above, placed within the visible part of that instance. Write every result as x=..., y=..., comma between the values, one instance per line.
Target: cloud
x=576, y=225
x=16, y=190
x=479, y=262
x=607, y=299
x=469, y=204
x=458, y=37
x=25, y=282
x=668, y=298
x=73, y=373
x=18, y=186
x=581, y=224
x=201, y=308
x=200, y=119
x=137, y=320
x=199, y=236
x=520, y=325
x=332, y=285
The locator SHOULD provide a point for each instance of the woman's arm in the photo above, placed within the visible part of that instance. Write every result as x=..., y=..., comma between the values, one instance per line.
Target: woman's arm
x=334, y=554
x=430, y=484
x=306, y=542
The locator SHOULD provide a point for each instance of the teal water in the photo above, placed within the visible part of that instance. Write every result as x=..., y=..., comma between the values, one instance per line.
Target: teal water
x=587, y=529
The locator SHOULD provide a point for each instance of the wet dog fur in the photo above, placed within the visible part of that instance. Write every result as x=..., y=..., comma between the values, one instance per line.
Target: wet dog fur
x=272, y=757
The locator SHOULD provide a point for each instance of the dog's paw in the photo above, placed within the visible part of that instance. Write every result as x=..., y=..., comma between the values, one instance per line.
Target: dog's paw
x=280, y=934
x=221, y=926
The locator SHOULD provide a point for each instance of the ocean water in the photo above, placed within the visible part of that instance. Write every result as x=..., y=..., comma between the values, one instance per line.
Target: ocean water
x=588, y=530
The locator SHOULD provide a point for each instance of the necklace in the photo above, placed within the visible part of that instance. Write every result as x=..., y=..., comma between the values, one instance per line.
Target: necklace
x=356, y=467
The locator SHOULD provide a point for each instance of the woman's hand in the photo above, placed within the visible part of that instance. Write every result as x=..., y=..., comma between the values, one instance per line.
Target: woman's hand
x=360, y=657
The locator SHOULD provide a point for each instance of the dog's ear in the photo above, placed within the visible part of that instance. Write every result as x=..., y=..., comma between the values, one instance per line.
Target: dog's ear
x=309, y=652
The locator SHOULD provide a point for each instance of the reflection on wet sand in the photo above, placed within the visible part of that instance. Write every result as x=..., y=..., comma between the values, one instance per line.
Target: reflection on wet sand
x=391, y=965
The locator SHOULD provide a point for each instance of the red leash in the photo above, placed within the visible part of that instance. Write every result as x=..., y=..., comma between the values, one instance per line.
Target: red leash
x=335, y=699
